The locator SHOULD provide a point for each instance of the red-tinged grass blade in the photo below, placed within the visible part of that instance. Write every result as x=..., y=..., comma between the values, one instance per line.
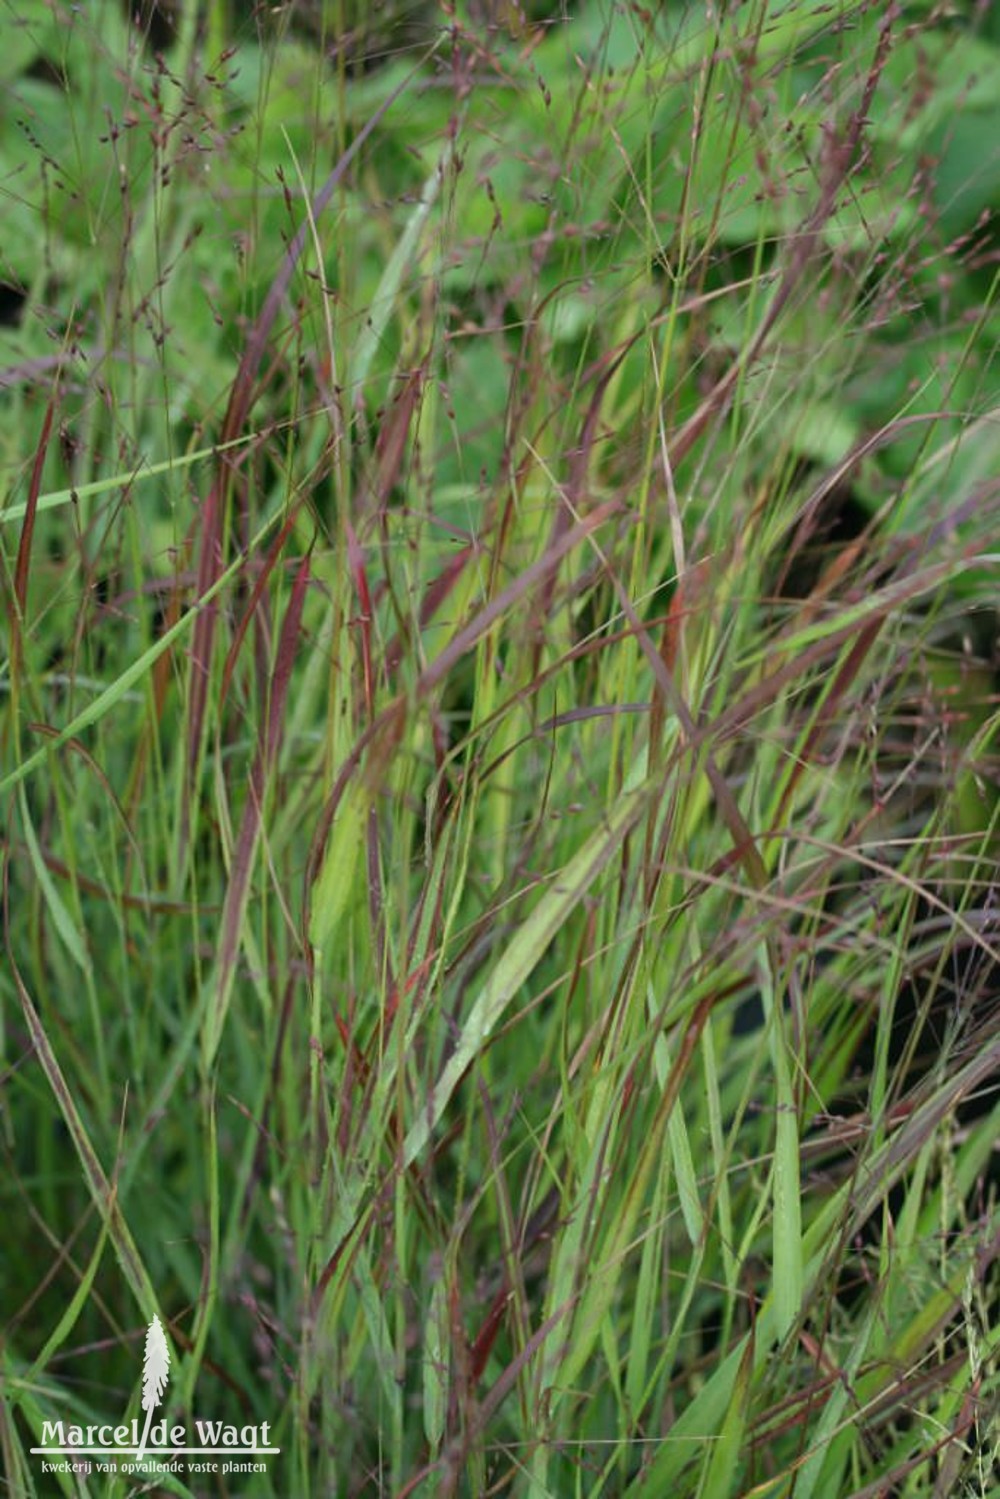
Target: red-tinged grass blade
x=812, y=646
x=411, y=984
x=238, y=409
x=465, y=638
x=890, y=1482
x=848, y=671
x=435, y=594
x=210, y=564
x=376, y=904
x=949, y=1472
x=894, y=1158
x=510, y=1301
x=256, y=593
x=285, y=660
x=453, y=1459
x=520, y=958
x=348, y=805
x=514, y=1371
x=484, y=1340
x=574, y=498
x=743, y=840
x=356, y=562
x=238, y=889
x=390, y=445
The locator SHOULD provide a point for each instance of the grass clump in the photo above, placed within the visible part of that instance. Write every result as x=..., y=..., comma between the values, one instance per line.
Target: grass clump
x=499, y=748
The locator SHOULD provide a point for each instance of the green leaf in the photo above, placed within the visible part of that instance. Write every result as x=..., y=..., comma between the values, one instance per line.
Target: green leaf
x=28, y=28
x=435, y=1367
x=722, y=1471
x=334, y=889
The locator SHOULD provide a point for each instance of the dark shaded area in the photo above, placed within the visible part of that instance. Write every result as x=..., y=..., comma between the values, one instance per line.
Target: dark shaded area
x=157, y=22
x=12, y=300
x=839, y=518
x=359, y=35
x=47, y=70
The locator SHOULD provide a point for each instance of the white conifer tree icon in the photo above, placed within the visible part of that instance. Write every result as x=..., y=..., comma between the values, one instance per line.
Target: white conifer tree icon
x=154, y=1376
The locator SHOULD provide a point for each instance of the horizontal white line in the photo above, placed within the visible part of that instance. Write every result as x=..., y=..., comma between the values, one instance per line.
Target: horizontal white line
x=153, y=1451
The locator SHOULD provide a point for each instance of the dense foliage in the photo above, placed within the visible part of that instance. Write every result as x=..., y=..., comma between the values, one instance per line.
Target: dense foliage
x=499, y=740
